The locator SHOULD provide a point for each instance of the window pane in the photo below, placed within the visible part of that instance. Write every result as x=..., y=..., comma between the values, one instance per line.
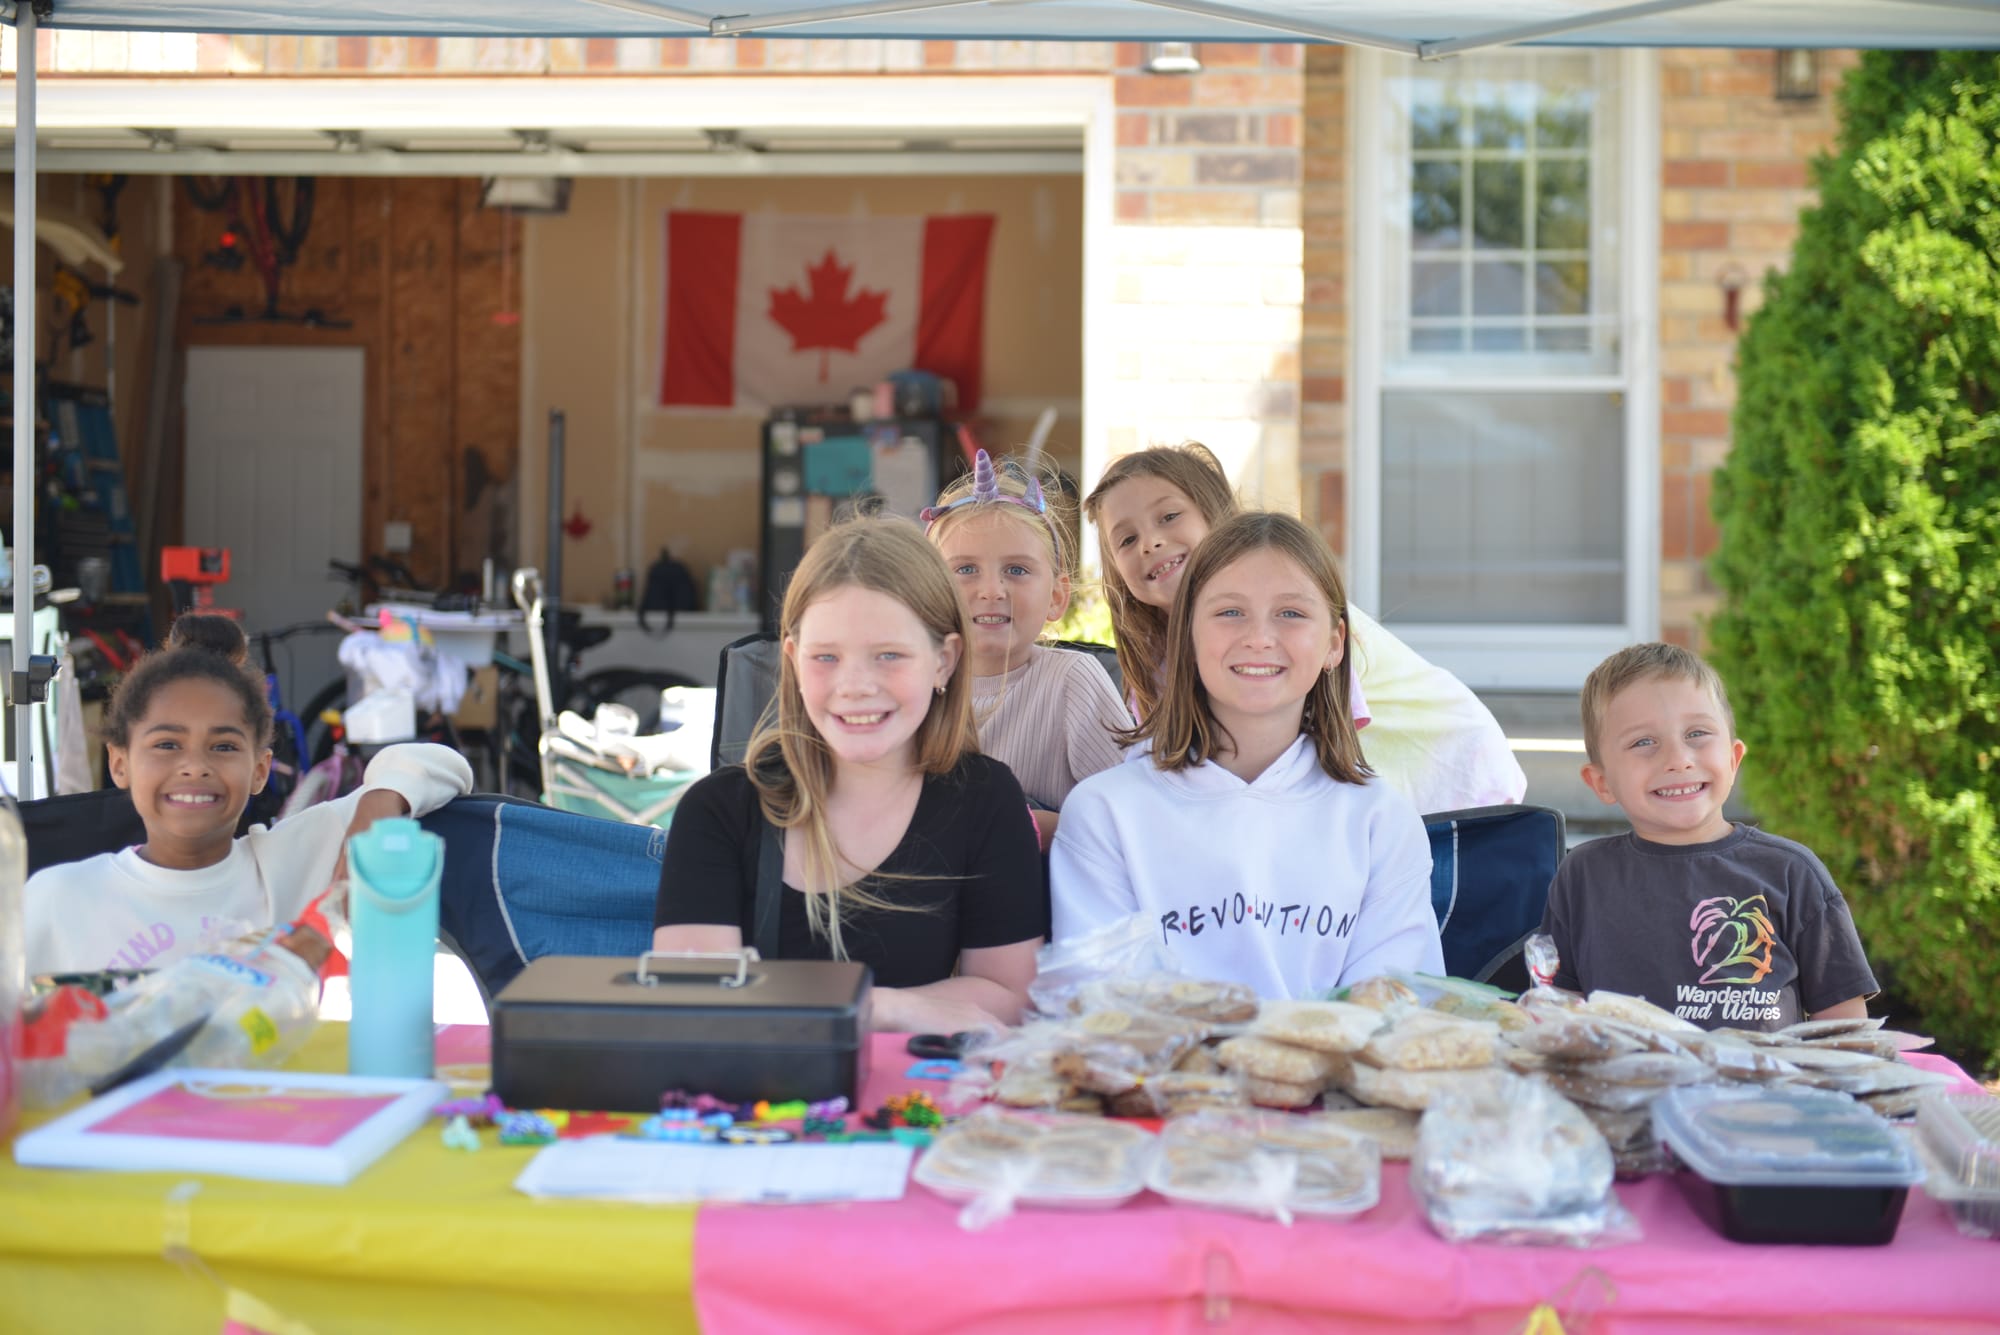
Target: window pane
x=1562, y=205
x=1435, y=119
x=1498, y=220
x=1450, y=339
x=1434, y=205
x=1562, y=340
x=1500, y=114
x=1499, y=288
x=1437, y=287
x=1563, y=120
x=1503, y=508
x=1500, y=338
x=1562, y=287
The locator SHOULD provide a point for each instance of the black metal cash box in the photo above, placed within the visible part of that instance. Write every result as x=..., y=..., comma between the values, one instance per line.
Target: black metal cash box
x=615, y=1033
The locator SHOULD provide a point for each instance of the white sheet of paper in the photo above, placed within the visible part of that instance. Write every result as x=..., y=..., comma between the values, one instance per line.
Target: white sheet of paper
x=903, y=476
x=613, y=1168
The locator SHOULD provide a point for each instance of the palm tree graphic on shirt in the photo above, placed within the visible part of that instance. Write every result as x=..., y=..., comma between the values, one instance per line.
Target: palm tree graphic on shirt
x=1733, y=939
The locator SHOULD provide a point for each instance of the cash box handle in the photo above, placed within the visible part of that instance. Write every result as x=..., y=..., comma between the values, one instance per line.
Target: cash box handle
x=744, y=958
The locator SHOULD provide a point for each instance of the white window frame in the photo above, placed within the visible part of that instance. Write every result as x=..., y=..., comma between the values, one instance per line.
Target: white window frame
x=1522, y=656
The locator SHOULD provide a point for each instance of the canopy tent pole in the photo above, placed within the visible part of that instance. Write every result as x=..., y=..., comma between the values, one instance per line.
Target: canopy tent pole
x=22, y=535
x=1529, y=32
x=652, y=11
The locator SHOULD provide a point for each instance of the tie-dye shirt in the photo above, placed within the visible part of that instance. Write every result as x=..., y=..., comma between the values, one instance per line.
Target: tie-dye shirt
x=1747, y=932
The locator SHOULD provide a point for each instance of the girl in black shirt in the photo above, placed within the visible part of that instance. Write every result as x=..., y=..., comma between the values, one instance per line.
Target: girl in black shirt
x=902, y=847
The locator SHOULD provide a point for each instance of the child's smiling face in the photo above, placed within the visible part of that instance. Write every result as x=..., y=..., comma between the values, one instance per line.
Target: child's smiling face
x=1008, y=581
x=1668, y=759
x=192, y=765
x=1151, y=528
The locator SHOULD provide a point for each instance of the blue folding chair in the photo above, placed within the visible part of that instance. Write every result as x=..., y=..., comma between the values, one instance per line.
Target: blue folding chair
x=1490, y=873
x=522, y=880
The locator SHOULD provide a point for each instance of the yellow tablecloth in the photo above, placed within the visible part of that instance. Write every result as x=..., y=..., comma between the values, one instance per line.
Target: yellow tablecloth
x=424, y=1239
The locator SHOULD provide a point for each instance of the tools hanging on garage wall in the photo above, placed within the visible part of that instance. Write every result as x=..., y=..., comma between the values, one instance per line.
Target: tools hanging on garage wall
x=269, y=218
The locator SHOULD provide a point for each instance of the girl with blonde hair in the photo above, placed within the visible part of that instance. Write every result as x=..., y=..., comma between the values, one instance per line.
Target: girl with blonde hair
x=1247, y=823
x=863, y=802
x=1426, y=733
x=1050, y=715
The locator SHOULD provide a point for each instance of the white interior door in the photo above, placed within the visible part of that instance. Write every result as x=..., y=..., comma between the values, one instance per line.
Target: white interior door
x=274, y=475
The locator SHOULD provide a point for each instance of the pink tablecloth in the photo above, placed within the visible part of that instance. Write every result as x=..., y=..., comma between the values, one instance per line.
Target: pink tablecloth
x=1154, y=1266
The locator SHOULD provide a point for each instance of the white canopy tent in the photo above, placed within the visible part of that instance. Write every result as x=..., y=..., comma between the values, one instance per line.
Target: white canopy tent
x=1427, y=29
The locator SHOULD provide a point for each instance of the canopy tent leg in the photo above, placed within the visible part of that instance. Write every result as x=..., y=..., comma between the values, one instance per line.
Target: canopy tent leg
x=19, y=693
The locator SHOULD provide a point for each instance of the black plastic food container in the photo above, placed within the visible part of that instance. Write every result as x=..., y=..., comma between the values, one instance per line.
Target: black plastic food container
x=1835, y=1216
x=614, y=1034
x=1788, y=1165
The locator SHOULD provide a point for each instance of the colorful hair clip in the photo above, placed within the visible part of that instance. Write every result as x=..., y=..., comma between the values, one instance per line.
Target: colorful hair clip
x=986, y=491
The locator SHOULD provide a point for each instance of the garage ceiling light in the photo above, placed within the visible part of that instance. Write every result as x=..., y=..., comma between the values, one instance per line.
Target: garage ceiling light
x=525, y=194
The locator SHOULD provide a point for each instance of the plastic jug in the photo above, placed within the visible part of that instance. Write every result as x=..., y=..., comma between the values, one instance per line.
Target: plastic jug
x=13, y=962
x=393, y=870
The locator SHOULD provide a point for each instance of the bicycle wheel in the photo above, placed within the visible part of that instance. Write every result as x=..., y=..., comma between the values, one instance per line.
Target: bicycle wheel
x=636, y=688
x=319, y=733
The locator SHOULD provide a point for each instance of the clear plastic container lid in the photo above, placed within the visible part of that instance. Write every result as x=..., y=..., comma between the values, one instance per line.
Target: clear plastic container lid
x=1960, y=1130
x=1793, y=1137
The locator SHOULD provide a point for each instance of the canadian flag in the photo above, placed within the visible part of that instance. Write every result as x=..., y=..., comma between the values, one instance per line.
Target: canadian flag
x=765, y=309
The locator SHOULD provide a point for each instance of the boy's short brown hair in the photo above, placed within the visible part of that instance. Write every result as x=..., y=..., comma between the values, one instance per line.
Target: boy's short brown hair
x=1644, y=662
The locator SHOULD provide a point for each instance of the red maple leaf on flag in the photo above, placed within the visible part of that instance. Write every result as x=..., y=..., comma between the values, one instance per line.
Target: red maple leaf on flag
x=829, y=318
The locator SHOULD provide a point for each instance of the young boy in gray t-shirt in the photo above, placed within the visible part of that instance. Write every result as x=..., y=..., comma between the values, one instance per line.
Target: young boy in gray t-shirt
x=1722, y=924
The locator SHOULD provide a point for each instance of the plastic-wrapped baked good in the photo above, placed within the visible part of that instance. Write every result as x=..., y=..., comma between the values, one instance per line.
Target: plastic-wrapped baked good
x=1591, y=1093
x=1264, y=1059
x=1031, y=1083
x=1198, y=1060
x=1422, y=1040
x=1414, y=1090
x=1879, y=1077
x=1888, y=1044
x=1655, y=1069
x=1805, y=1031
x=1735, y=1055
x=1510, y=1161
x=1394, y=1130
x=1159, y=1038
x=996, y=1159
x=1638, y=1011
x=1170, y=994
x=1324, y=1026
x=1178, y=1092
x=1382, y=994
x=1279, y=1093
x=1572, y=1036
x=1275, y=1164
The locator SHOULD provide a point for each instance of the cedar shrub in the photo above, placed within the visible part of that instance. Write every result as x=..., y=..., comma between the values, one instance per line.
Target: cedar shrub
x=1860, y=518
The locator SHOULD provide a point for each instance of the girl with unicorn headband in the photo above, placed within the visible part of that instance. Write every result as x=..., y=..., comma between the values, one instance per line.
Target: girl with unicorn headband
x=1050, y=715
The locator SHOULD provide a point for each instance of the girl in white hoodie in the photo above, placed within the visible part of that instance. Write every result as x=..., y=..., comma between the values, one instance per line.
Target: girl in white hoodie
x=1245, y=820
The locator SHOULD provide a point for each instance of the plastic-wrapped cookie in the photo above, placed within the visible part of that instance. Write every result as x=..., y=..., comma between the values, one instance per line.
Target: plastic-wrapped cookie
x=1413, y=1090
x=1394, y=1130
x=1263, y=1059
x=1430, y=1041
x=1382, y=994
x=1267, y=1163
x=1279, y=1093
x=1324, y=1026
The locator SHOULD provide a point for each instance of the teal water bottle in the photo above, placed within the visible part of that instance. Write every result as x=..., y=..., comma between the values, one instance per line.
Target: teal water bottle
x=393, y=869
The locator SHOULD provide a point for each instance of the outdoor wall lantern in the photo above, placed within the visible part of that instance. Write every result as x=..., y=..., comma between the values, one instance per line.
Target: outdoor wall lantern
x=1172, y=58
x=1797, y=75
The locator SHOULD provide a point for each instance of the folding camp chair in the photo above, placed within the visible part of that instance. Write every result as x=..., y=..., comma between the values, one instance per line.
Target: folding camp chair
x=577, y=774
x=1490, y=874
x=522, y=880
x=1106, y=656
x=746, y=681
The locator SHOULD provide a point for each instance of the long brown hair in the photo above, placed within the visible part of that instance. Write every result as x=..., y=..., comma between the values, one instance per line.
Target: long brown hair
x=1184, y=730
x=1141, y=628
x=788, y=760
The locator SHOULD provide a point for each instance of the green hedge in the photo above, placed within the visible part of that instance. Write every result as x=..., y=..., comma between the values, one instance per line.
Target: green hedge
x=1860, y=514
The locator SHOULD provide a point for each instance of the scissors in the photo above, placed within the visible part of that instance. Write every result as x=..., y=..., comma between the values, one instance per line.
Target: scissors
x=939, y=1047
